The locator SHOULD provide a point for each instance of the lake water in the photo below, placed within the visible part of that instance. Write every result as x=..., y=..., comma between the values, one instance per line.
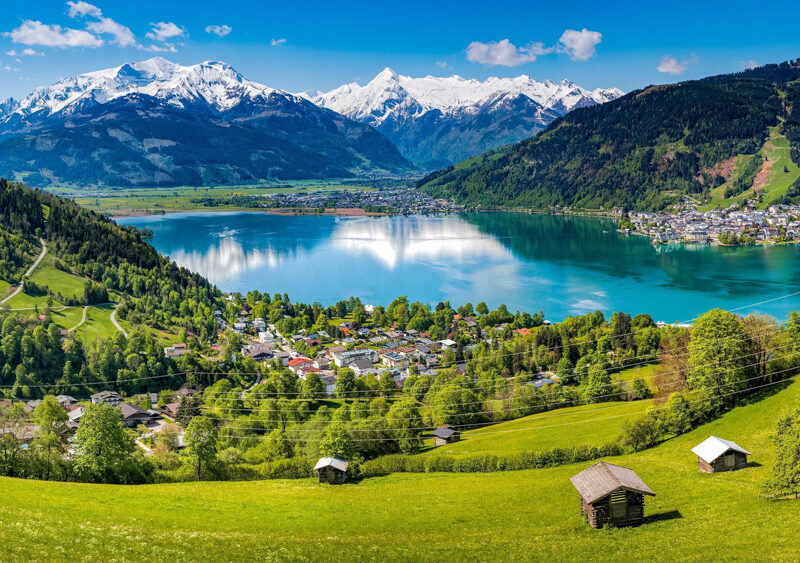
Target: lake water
x=561, y=265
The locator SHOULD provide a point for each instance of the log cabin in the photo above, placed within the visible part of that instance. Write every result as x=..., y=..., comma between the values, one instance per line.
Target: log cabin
x=611, y=495
x=445, y=435
x=715, y=455
x=332, y=470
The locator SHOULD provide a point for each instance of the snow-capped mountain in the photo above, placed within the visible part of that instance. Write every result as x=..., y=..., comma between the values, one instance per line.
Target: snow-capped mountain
x=160, y=123
x=436, y=121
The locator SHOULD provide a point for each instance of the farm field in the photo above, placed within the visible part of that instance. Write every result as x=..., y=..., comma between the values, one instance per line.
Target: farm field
x=560, y=428
x=523, y=515
x=121, y=201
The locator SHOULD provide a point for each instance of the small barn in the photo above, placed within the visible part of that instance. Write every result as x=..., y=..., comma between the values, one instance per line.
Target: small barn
x=715, y=455
x=332, y=470
x=445, y=435
x=611, y=495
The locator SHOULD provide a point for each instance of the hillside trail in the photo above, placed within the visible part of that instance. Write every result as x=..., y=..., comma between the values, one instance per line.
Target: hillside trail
x=29, y=271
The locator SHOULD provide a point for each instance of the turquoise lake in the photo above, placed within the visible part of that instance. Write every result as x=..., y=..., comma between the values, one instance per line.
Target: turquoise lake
x=560, y=265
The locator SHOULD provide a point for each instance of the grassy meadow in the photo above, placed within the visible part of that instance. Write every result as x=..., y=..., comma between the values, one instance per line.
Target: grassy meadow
x=523, y=515
x=128, y=201
x=560, y=428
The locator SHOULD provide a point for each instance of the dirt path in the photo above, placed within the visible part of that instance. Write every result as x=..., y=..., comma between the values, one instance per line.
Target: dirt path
x=113, y=318
x=83, y=320
x=29, y=272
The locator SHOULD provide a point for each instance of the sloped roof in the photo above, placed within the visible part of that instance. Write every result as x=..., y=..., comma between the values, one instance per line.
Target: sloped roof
x=129, y=410
x=444, y=432
x=712, y=447
x=335, y=462
x=602, y=479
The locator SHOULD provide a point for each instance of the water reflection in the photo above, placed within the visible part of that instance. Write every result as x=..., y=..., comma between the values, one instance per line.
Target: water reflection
x=562, y=265
x=392, y=240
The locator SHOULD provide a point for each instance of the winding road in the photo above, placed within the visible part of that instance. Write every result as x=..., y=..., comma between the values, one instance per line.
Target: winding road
x=83, y=320
x=113, y=317
x=29, y=272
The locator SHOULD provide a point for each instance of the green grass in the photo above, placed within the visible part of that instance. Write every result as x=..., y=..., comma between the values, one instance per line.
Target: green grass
x=522, y=515
x=98, y=324
x=57, y=281
x=775, y=149
x=24, y=301
x=646, y=372
x=560, y=428
x=123, y=201
x=4, y=288
x=67, y=318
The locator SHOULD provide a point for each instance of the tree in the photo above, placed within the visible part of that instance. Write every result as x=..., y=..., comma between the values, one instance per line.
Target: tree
x=102, y=445
x=201, y=442
x=599, y=386
x=278, y=446
x=717, y=353
x=313, y=387
x=50, y=416
x=337, y=442
x=345, y=383
x=785, y=473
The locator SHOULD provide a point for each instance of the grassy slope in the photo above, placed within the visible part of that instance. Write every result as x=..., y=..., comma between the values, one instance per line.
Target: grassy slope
x=59, y=282
x=98, y=324
x=561, y=428
x=67, y=318
x=495, y=516
x=4, y=287
x=776, y=149
x=646, y=372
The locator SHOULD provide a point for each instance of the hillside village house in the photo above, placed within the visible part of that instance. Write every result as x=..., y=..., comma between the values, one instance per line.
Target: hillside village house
x=394, y=360
x=344, y=359
x=133, y=415
x=715, y=455
x=611, y=495
x=111, y=397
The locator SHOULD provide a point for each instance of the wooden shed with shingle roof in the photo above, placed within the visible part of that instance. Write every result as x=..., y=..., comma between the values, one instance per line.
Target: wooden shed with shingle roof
x=611, y=495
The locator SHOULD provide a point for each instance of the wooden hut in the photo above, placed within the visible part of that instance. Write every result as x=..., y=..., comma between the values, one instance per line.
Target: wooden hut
x=715, y=455
x=611, y=495
x=445, y=435
x=332, y=470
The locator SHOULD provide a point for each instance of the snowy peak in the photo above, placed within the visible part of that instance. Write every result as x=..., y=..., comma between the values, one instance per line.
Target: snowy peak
x=390, y=93
x=215, y=84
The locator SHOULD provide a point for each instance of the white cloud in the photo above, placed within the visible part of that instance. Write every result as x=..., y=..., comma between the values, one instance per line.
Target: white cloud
x=80, y=9
x=747, y=65
x=442, y=64
x=164, y=48
x=122, y=35
x=219, y=30
x=580, y=45
x=165, y=30
x=671, y=65
x=504, y=52
x=277, y=42
x=34, y=32
x=27, y=52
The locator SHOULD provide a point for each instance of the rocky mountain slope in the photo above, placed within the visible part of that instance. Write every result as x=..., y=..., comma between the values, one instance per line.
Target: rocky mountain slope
x=436, y=121
x=160, y=123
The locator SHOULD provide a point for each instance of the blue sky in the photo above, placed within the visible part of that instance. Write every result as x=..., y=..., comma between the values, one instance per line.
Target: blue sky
x=301, y=45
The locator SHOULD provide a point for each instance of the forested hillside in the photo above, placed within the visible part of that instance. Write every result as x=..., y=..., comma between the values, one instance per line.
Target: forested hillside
x=642, y=151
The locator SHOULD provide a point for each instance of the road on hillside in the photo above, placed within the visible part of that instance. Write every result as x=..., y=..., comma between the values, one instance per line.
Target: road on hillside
x=113, y=318
x=83, y=320
x=29, y=272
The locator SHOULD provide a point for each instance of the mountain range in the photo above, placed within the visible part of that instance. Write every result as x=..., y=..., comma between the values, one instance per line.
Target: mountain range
x=160, y=123
x=721, y=140
x=157, y=123
x=436, y=121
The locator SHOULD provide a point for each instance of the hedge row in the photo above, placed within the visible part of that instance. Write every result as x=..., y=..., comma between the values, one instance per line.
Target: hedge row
x=486, y=463
x=294, y=468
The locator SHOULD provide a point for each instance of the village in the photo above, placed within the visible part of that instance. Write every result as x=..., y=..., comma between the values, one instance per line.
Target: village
x=747, y=225
x=392, y=200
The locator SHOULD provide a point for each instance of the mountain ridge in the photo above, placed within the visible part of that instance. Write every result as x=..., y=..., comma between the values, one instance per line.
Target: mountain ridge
x=160, y=123
x=436, y=121
x=650, y=148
